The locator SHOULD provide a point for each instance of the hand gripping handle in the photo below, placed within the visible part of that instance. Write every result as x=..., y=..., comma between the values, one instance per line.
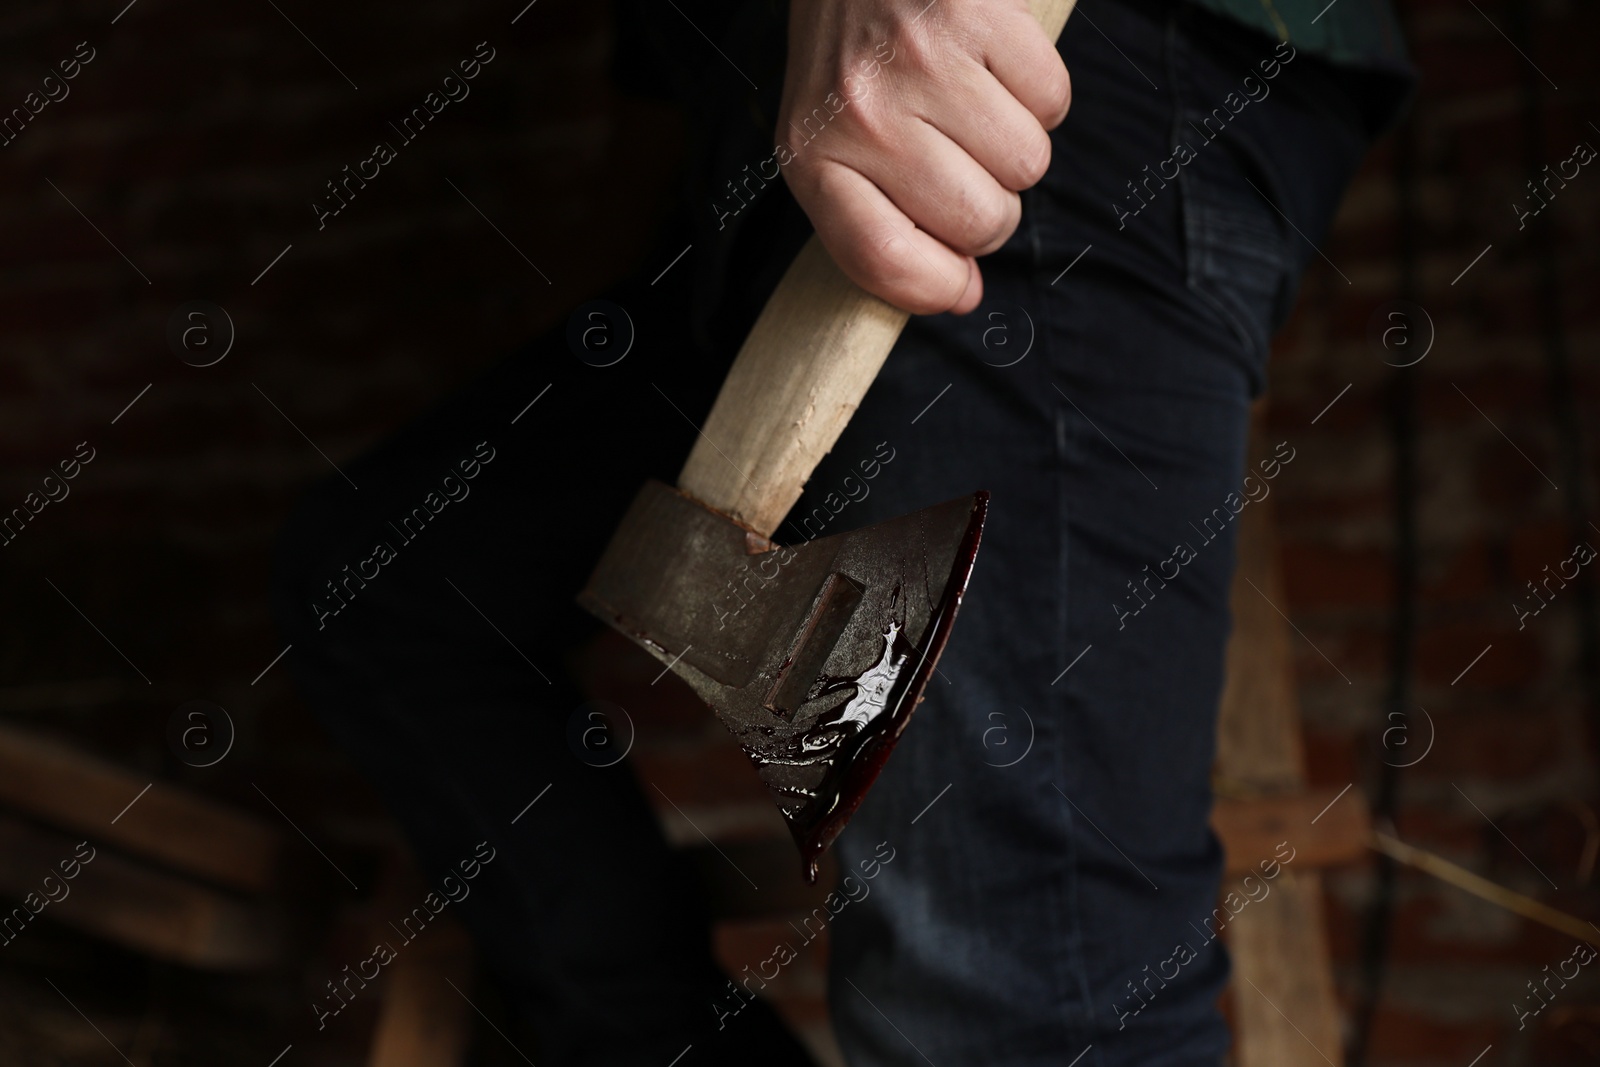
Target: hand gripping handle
x=810, y=358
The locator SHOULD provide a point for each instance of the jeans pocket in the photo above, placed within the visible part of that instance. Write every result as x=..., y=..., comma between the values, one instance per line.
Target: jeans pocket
x=1236, y=245
x=1235, y=249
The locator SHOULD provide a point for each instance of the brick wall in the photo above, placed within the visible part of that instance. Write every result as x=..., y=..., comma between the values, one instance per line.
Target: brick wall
x=196, y=141
x=1514, y=735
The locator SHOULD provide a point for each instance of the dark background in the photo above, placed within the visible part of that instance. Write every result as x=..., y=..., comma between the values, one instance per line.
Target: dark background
x=200, y=134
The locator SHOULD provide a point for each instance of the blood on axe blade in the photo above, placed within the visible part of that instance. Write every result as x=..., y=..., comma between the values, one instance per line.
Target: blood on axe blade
x=820, y=674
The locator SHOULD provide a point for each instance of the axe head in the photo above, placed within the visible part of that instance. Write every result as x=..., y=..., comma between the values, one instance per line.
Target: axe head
x=814, y=655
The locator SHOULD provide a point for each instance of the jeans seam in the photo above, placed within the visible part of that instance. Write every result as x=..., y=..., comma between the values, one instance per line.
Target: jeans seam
x=1199, y=265
x=1070, y=972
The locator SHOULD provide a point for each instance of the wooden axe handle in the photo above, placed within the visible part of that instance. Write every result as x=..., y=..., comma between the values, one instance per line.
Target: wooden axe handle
x=800, y=375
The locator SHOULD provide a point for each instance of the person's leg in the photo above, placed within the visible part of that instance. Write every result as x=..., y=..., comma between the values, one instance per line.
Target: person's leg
x=437, y=661
x=1048, y=805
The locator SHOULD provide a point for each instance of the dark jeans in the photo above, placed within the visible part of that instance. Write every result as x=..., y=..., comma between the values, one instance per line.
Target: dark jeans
x=1048, y=807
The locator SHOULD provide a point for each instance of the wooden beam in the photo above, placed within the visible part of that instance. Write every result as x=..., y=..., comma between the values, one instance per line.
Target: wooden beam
x=1284, y=1005
x=84, y=795
x=113, y=897
x=1286, y=1012
x=1324, y=828
x=426, y=1020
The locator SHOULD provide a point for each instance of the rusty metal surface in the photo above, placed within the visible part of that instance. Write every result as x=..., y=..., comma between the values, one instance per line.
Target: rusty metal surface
x=813, y=655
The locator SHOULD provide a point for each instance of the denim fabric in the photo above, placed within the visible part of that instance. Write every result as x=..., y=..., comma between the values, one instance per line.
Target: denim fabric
x=1025, y=901
x=1048, y=805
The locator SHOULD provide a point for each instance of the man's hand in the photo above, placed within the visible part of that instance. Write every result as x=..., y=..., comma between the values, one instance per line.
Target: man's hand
x=907, y=130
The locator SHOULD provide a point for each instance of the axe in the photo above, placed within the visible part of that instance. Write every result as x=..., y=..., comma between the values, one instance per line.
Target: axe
x=818, y=668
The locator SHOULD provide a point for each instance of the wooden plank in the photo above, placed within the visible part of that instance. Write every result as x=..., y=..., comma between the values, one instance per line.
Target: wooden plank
x=1279, y=951
x=83, y=794
x=1258, y=734
x=110, y=896
x=1251, y=829
x=424, y=1022
x=1283, y=997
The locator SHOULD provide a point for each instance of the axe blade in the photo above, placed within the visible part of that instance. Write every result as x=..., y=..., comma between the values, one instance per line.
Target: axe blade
x=813, y=655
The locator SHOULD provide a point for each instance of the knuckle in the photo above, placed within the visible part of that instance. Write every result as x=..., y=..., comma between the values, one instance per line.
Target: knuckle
x=807, y=179
x=989, y=221
x=1034, y=160
x=885, y=259
x=1060, y=94
x=891, y=270
x=872, y=125
x=802, y=171
x=947, y=294
x=918, y=49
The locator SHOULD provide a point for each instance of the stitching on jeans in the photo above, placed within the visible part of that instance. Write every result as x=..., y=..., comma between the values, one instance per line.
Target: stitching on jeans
x=1203, y=273
x=1217, y=227
x=1068, y=970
